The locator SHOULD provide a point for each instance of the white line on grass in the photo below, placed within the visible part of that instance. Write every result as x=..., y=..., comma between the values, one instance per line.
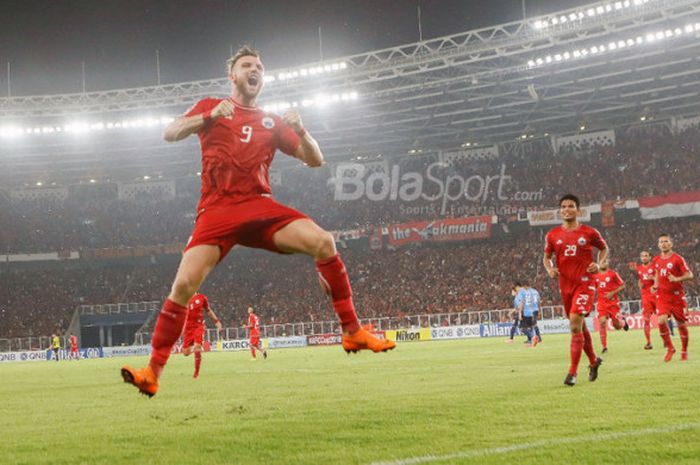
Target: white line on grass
x=533, y=445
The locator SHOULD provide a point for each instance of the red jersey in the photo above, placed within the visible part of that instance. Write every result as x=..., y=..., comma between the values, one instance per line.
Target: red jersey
x=237, y=152
x=675, y=265
x=605, y=282
x=573, y=251
x=646, y=273
x=73, y=341
x=195, y=308
x=253, y=324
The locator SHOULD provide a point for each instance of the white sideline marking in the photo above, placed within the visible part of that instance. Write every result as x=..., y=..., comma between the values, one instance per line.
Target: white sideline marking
x=533, y=445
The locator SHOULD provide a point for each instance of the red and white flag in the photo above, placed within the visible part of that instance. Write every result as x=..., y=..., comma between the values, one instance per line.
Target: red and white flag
x=672, y=205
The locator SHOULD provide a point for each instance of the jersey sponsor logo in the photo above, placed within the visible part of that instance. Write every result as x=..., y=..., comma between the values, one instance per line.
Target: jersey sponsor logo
x=268, y=123
x=581, y=241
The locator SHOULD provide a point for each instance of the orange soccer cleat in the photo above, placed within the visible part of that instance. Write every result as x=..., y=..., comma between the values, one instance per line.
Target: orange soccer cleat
x=363, y=339
x=144, y=379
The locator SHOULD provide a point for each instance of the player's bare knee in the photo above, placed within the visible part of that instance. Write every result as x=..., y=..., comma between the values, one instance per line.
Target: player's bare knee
x=326, y=246
x=183, y=288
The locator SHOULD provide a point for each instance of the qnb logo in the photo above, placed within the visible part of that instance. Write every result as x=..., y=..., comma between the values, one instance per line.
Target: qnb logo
x=350, y=184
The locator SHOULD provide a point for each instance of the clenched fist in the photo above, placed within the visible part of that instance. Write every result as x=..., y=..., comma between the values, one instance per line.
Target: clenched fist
x=291, y=118
x=223, y=109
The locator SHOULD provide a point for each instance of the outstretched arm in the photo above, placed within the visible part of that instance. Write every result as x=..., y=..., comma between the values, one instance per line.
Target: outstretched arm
x=212, y=315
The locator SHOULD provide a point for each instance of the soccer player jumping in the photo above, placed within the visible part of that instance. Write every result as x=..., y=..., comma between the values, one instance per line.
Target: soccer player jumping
x=671, y=272
x=573, y=244
x=238, y=142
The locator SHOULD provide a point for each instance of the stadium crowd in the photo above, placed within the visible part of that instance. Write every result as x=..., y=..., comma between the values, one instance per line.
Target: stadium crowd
x=642, y=163
x=410, y=280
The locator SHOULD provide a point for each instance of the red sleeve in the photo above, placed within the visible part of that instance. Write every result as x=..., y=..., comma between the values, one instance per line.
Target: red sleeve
x=205, y=302
x=682, y=265
x=201, y=106
x=597, y=240
x=287, y=140
x=549, y=243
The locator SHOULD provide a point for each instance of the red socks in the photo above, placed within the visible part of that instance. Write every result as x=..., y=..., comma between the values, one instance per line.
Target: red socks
x=197, y=363
x=333, y=274
x=588, y=344
x=647, y=331
x=252, y=351
x=683, y=330
x=604, y=334
x=168, y=329
x=576, y=348
x=664, y=333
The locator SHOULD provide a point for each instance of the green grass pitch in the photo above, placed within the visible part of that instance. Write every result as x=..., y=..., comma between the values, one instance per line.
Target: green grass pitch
x=443, y=402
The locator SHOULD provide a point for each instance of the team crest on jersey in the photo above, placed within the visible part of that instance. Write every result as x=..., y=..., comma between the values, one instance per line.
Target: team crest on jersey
x=196, y=301
x=669, y=265
x=650, y=271
x=581, y=241
x=268, y=123
x=584, y=279
x=559, y=242
x=607, y=280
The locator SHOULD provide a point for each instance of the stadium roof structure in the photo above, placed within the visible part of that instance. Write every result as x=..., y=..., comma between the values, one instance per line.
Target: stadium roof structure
x=600, y=65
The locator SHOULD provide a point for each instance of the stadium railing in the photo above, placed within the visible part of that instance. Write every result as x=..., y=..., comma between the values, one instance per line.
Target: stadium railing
x=320, y=327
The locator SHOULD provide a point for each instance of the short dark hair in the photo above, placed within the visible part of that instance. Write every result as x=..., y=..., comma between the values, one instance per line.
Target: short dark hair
x=571, y=197
x=664, y=235
x=518, y=284
x=244, y=51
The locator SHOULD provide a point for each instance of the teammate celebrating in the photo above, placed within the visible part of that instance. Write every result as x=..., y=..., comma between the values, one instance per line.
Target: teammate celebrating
x=609, y=284
x=671, y=273
x=74, y=354
x=573, y=244
x=195, y=327
x=645, y=275
x=239, y=141
x=254, y=333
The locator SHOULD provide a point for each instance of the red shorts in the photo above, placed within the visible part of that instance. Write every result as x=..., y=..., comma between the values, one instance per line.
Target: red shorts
x=648, y=305
x=194, y=334
x=74, y=349
x=579, y=299
x=609, y=311
x=674, y=306
x=250, y=223
x=254, y=340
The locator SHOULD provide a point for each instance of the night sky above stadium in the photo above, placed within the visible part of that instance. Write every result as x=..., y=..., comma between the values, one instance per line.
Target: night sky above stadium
x=47, y=40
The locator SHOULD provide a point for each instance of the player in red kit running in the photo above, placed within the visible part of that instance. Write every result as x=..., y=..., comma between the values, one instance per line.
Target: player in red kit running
x=671, y=272
x=254, y=332
x=74, y=354
x=609, y=284
x=195, y=327
x=573, y=243
x=645, y=275
x=238, y=142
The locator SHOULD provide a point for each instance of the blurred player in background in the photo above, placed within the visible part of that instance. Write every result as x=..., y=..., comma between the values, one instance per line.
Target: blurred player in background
x=609, y=284
x=645, y=279
x=254, y=333
x=572, y=244
x=671, y=272
x=55, y=345
x=239, y=141
x=525, y=306
x=74, y=353
x=195, y=328
x=515, y=315
x=535, y=314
